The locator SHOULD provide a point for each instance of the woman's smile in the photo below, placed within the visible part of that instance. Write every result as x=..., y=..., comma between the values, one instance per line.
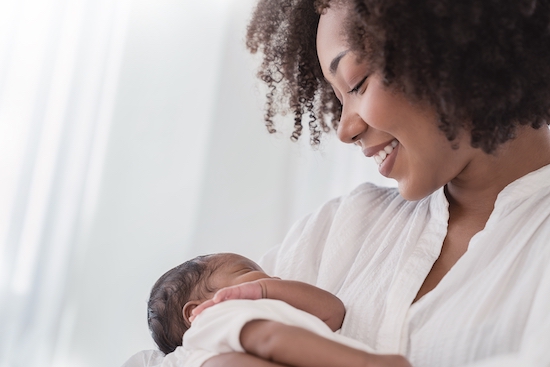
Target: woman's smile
x=384, y=155
x=386, y=158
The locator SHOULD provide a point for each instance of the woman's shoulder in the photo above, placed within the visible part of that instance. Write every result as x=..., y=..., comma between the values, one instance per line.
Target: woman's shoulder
x=369, y=190
x=366, y=196
x=369, y=198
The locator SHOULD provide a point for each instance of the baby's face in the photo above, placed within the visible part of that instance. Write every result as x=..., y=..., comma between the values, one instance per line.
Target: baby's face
x=233, y=269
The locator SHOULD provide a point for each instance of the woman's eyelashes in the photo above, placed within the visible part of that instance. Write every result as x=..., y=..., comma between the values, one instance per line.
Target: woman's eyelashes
x=358, y=85
x=355, y=89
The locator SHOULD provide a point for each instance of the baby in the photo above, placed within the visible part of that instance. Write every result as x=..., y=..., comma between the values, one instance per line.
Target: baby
x=254, y=321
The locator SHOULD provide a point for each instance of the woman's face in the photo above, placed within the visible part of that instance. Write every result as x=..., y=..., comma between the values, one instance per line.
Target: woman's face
x=402, y=137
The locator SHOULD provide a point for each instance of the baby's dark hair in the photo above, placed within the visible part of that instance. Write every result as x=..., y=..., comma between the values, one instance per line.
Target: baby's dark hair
x=168, y=296
x=483, y=65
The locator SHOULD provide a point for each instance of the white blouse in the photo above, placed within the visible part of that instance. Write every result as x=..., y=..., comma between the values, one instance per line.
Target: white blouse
x=374, y=250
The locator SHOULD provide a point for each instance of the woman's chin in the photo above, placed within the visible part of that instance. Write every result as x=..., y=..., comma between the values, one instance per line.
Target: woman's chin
x=413, y=192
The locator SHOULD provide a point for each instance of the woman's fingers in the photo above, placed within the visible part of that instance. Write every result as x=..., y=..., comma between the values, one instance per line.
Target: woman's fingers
x=203, y=306
x=250, y=290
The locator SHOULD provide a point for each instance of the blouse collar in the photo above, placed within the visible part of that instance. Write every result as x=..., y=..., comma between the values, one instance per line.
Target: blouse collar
x=524, y=186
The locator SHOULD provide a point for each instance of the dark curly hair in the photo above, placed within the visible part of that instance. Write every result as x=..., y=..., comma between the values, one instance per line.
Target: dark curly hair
x=284, y=31
x=483, y=65
x=168, y=296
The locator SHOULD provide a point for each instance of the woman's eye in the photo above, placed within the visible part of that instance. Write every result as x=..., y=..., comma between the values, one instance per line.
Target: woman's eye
x=337, y=95
x=358, y=86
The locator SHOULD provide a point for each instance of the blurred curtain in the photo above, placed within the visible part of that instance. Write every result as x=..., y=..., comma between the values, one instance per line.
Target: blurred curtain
x=59, y=61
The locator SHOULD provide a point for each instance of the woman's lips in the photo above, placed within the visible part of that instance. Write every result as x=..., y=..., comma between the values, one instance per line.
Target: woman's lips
x=371, y=151
x=386, y=166
x=384, y=155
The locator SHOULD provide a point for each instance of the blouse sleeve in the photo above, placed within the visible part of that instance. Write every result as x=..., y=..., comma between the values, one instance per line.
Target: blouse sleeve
x=299, y=255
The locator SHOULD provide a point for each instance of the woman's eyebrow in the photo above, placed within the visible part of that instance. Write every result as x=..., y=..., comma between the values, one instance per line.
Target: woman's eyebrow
x=334, y=63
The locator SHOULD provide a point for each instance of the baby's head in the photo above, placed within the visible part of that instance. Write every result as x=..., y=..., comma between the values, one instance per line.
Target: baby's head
x=181, y=289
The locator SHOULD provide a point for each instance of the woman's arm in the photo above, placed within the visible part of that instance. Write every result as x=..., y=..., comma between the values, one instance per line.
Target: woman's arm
x=238, y=360
x=308, y=298
x=298, y=347
x=303, y=296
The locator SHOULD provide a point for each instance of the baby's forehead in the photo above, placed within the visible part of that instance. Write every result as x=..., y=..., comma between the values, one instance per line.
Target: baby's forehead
x=223, y=260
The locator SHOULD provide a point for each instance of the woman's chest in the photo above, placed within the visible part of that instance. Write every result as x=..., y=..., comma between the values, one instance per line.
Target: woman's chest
x=479, y=309
x=476, y=324
x=460, y=231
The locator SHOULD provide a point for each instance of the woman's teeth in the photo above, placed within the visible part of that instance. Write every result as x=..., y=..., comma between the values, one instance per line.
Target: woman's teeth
x=381, y=155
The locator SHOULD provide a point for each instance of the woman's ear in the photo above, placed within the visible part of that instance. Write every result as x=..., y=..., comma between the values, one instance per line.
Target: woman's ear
x=187, y=309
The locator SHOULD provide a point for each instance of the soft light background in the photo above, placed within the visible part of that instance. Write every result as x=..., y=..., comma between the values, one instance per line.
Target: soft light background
x=131, y=139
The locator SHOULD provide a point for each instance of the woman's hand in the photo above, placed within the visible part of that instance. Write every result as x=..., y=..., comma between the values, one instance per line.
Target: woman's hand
x=235, y=359
x=387, y=360
x=298, y=347
x=246, y=360
x=250, y=290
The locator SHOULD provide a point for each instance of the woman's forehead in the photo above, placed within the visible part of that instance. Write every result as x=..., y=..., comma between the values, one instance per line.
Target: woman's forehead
x=331, y=39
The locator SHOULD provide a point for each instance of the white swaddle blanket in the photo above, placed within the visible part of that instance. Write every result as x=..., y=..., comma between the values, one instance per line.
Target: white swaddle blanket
x=218, y=328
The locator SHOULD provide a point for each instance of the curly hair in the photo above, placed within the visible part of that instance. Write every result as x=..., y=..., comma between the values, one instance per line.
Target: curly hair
x=484, y=65
x=284, y=31
x=168, y=296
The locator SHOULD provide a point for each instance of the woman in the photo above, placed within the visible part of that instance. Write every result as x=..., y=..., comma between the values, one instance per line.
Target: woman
x=452, y=101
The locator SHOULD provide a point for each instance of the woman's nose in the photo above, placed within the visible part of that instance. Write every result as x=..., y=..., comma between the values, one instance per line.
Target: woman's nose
x=350, y=128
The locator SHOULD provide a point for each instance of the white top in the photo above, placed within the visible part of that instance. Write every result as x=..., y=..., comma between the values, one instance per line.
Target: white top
x=217, y=330
x=374, y=250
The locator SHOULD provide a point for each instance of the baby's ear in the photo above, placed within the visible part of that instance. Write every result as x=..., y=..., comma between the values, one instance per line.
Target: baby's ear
x=187, y=309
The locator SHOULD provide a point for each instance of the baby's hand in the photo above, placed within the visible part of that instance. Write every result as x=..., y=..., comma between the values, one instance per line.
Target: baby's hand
x=249, y=290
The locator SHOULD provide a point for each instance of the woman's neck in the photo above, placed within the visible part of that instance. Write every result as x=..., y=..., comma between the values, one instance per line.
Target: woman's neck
x=475, y=189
